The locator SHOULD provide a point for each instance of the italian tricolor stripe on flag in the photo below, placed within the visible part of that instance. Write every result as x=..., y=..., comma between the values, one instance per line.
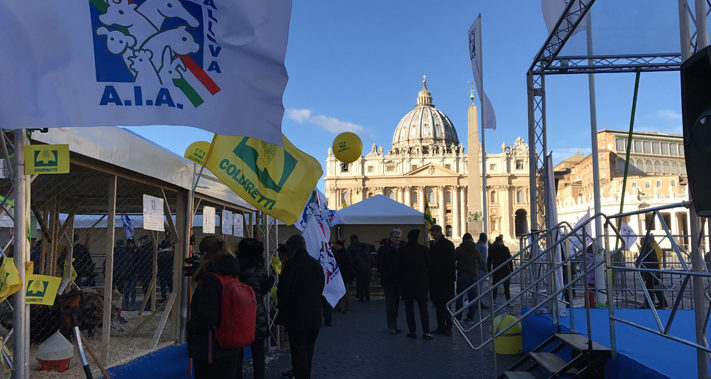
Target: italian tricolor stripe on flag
x=196, y=84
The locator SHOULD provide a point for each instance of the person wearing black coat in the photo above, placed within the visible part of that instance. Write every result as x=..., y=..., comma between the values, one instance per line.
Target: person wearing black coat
x=299, y=298
x=389, y=268
x=361, y=263
x=345, y=265
x=648, y=259
x=414, y=283
x=250, y=253
x=209, y=359
x=442, y=277
x=498, y=254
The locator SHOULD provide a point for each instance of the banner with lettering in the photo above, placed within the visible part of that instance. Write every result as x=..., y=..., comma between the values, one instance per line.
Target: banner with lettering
x=277, y=180
x=215, y=65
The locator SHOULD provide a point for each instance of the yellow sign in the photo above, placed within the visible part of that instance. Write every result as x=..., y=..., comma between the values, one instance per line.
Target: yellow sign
x=46, y=159
x=9, y=279
x=276, y=180
x=197, y=152
x=42, y=289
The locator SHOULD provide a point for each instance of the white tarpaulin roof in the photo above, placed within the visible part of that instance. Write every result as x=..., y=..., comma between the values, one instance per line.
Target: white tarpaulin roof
x=381, y=210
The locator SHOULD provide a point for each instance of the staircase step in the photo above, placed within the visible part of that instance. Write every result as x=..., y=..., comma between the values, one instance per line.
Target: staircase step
x=518, y=375
x=578, y=341
x=552, y=363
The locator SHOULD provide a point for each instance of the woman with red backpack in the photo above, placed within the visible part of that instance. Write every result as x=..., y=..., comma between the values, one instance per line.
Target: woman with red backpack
x=209, y=359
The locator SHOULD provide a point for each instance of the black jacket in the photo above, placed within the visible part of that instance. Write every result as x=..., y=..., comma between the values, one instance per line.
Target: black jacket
x=258, y=278
x=299, y=293
x=414, y=271
x=205, y=311
x=442, y=270
x=389, y=265
x=498, y=254
x=467, y=256
x=345, y=264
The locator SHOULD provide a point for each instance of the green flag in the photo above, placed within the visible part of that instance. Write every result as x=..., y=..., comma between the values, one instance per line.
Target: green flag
x=428, y=216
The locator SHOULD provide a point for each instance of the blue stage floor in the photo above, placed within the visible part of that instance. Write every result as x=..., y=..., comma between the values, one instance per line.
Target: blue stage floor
x=642, y=354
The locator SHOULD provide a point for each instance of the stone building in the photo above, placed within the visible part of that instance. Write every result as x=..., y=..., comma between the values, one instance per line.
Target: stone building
x=428, y=161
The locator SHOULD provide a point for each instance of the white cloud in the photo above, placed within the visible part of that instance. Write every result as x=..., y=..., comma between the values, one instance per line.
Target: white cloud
x=298, y=115
x=330, y=124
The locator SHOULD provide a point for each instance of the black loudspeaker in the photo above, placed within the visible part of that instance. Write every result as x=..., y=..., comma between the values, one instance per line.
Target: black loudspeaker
x=696, y=113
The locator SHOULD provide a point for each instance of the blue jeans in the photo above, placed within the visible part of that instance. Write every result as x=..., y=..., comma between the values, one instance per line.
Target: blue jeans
x=464, y=280
x=129, y=291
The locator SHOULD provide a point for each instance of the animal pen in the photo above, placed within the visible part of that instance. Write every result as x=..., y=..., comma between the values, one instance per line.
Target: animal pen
x=133, y=299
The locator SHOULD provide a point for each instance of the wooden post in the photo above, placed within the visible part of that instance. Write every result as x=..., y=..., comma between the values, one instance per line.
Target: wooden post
x=54, y=217
x=154, y=235
x=163, y=320
x=108, y=275
x=182, y=237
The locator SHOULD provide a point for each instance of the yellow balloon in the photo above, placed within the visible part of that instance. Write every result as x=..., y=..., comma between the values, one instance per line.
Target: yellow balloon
x=347, y=147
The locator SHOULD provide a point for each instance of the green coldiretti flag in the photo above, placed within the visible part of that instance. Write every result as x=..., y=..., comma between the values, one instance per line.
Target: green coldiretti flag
x=277, y=180
x=428, y=216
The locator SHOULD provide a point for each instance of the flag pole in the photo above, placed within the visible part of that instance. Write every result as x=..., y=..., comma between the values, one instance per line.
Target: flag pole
x=483, y=129
x=21, y=312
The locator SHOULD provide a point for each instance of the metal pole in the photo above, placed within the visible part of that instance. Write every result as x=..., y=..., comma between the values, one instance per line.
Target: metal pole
x=187, y=227
x=21, y=312
x=702, y=36
x=482, y=100
x=599, y=271
x=685, y=40
x=532, y=150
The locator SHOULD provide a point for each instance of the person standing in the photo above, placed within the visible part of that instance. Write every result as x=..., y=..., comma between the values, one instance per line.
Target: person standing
x=345, y=265
x=361, y=263
x=483, y=246
x=498, y=254
x=468, y=259
x=299, y=298
x=649, y=258
x=442, y=277
x=388, y=260
x=414, y=283
x=250, y=253
x=209, y=359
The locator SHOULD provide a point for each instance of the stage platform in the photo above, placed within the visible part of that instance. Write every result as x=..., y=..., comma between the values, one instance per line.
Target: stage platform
x=641, y=354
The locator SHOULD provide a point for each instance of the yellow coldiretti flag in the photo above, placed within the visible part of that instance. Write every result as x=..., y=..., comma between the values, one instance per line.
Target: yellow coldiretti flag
x=9, y=278
x=276, y=180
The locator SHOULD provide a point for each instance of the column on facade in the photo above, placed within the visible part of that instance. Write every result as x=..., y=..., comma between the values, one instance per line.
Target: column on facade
x=408, y=200
x=463, y=209
x=674, y=227
x=442, y=206
x=399, y=194
x=455, y=212
x=421, y=198
x=505, y=212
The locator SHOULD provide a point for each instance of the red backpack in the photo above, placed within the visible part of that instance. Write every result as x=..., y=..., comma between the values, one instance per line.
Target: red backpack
x=238, y=313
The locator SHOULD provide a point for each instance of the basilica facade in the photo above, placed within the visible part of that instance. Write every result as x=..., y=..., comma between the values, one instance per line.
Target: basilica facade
x=427, y=162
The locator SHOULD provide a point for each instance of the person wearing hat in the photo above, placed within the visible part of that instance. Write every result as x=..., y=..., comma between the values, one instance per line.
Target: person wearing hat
x=442, y=277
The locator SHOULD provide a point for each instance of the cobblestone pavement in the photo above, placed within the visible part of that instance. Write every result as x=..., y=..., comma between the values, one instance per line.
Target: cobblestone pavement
x=358, y=346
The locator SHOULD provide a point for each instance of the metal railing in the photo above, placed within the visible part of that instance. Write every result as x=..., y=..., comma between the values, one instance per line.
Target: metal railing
x=545, y=253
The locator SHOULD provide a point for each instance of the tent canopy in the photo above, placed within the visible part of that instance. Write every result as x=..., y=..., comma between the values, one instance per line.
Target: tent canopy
x=381, y=210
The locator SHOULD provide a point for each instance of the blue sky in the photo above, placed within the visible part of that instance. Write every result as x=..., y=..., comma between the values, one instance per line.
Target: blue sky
x=358, y=66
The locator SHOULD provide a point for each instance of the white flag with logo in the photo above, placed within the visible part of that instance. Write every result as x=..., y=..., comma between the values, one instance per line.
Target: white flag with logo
x=215, y=65
x=314, y=225
x=629, y=237
x=477, y=70
x=576, y=240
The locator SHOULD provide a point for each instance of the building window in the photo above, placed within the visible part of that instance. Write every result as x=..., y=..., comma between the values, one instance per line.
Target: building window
x=683, y=168
x=658, y=184
x=414, y=197
x=620, y=165
x=647, y=184
x=344, y=167
x=634, y=184
x=390, y=168
x=665, y=167
x=430, y=196
x=492, y=198
x=448, y=231
x=665, y=148
x=370, y=169
x=448, y=166
x=655, y=147
x=620, y=144
x=672, y=149
x=681, y=149
x=519, y=164
x=657, y=167
x=391, y=194
x=492, y=166
x=675, y=168
x=672, y=183
x=448, y=197
x=414, y=167
x=640, y=165
x=648, y=167
x=647, y=146
x=345, y=199
x=637, y=146
x=520, y=197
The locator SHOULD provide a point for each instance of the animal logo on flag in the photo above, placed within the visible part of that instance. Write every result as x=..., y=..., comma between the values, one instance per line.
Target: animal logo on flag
x=151, y=52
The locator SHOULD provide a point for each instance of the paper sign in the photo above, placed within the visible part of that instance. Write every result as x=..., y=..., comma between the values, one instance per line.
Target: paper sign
x=46, y=159
x=629, y=237
x=153, y=213
x=227, y=221
x=208, y=220
x=239, y=225
x=42, y=289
